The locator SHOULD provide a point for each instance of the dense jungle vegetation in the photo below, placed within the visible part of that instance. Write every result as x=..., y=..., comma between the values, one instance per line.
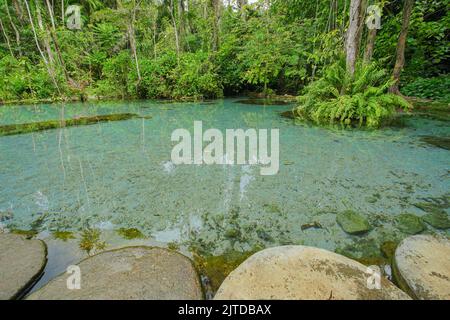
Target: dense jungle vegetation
x=200, y=49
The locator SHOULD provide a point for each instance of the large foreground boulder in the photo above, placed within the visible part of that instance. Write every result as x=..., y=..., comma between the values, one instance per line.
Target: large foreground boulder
x=422, y=267
x=135, y=273
x=22, y=261
x=303, y=273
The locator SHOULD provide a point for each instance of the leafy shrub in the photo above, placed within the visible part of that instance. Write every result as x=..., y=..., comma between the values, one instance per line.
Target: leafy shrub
x=437, y=88
x=338, y=97
x=196, y=77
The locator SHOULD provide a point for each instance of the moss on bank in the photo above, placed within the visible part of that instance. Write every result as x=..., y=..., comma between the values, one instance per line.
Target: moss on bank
x=22, y=128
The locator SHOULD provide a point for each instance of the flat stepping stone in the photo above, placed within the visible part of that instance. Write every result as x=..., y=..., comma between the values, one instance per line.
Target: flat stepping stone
x=134, y=273
x=352, y=222
x=422, y=267
x=22, y=261
x=303, y=273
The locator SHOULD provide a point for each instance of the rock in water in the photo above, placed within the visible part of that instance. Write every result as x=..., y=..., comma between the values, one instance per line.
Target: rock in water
x=438, y=220
x=21, y=263
x=422, y=267
x=303, y=273
x=135, y=273
x=410, y=224
x=352, y=222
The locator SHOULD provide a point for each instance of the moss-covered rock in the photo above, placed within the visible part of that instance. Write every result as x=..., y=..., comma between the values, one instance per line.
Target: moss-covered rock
x=438, y=220
x=352, y=222
x=21, y=128
x=410, y=224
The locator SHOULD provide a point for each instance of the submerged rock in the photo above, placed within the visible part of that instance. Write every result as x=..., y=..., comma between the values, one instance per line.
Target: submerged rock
x=438, y=220
x=265, y=102
x=440, y=142
x=410, y=224
x=302, y=273
x=135, y=273
x=352, y=222
x=21, y=128
x=422, y=267
x=22, y=262
x=288, y=114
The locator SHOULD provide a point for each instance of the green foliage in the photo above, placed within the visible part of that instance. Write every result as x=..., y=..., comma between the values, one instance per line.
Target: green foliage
x=437, y=88
x=361, y=99
x=91, y=241
x=147, y=49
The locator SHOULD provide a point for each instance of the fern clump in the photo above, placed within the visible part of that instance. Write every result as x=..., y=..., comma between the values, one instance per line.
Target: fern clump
x=361, y=99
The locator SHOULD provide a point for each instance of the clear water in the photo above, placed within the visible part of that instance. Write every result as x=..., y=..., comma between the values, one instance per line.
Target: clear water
x=119, y=174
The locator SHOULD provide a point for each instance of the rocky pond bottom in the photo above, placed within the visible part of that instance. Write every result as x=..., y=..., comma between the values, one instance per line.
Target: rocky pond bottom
x=84, y=189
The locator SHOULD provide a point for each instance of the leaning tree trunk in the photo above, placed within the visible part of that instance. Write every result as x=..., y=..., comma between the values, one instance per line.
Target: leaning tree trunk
x=6, y=37
x=351, y=42
x=401, y=45
x=16, y=31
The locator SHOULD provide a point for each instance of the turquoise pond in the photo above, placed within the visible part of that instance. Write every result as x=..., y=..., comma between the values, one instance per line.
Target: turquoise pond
x=119, y=175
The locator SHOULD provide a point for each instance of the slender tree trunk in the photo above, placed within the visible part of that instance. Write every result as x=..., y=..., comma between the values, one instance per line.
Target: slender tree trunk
x=351, y=43
x=215, y=5
x=34, y=33
x=361, y=24
x=16, y=31
x=46, y=39
x=49, y=68
x=133, y=40
x=18, y=9
x=55, y=39
x=370, y=45
x=63, y=12
x=401, y=45
x=6, y=37
x=175, y=30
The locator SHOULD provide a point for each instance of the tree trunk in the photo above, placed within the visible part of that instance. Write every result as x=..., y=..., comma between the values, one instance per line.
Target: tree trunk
x=34, y=33
x=55, y=40
x=370, y=45
x=401, y=45
x=16, y=31
x=351, y=43
x=6, y=37
x=133, y=40
x=175, y=30
x=361, y=24
x=215, y=5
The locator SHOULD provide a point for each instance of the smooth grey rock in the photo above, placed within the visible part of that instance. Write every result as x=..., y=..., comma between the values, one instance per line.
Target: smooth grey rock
x=133, y=273
x=21, y=263
x=422, y=267
x=303, y=273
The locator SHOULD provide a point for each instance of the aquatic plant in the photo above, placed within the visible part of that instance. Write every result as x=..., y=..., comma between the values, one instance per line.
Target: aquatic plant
x=130, y=234
x=63, y=235
x=90, y=241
